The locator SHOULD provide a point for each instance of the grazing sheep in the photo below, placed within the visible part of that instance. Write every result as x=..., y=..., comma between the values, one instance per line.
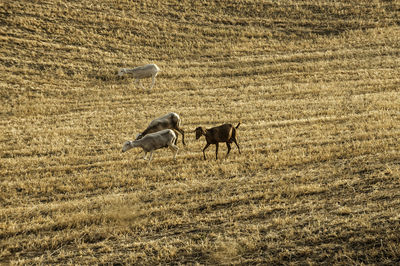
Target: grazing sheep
x=154, y=141
x=142, y=72
x=224, y=133
x=168, y=121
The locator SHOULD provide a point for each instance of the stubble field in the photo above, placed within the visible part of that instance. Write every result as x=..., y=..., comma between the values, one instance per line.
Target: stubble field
x=315, y=85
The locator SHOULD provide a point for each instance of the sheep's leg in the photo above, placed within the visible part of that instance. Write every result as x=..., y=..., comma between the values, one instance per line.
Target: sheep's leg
x=153, y=81
x=216, y=151
x=140, y=83
x=204, y=154
x=174, y=149
x=151, y=156
x=229, y=148
x=145, y=155
x=234, y=140
x=183, y=135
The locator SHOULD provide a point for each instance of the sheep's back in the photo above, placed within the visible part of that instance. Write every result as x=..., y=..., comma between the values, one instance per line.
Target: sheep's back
x=159, y=139
x=164, y=122
x=145, y=71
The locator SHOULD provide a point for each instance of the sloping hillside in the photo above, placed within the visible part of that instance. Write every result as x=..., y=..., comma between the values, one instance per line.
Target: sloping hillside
x=315, y=85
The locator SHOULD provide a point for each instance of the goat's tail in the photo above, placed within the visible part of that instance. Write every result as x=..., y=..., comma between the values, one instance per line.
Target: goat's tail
x=238, y=125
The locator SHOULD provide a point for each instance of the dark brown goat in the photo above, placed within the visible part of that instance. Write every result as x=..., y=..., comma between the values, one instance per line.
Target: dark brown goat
x=224, y=133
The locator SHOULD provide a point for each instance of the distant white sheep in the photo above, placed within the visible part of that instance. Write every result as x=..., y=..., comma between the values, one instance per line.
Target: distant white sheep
x=154, y=141
x=141, y=72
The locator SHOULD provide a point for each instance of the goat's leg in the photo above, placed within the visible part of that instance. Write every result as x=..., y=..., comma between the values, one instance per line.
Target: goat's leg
x=204, y=154
x=151, y=156
x=145, y=155
x=229, y=148
x=234, y=140
x=216, y=151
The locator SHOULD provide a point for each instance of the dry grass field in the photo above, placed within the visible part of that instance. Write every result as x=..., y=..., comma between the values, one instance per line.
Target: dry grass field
x=315, y=85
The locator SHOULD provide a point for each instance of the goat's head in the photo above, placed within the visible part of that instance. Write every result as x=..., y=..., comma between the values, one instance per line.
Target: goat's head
x=199, y=132
x=127, y=146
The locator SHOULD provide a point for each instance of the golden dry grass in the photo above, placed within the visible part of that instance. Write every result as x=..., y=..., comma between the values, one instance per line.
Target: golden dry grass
x=314, y=83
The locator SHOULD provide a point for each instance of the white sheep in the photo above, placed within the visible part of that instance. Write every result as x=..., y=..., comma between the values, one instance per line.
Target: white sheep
x=154, y=141
x=142, y=72
x=168, y=121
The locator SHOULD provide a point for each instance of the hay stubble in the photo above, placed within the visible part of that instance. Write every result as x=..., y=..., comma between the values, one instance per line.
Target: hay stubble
x=315, y=86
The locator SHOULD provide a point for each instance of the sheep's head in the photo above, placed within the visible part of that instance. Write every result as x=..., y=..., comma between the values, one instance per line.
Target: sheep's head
x=139, y=136
x=199, y=132
x=127, y=146
x=121, y=72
